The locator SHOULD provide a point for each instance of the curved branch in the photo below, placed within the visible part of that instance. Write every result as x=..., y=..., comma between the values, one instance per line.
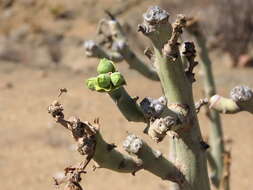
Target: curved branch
x=92, y=49
x=135, y=63
x=148, y=159
x=120, y=43
x=119, y=49
x=92, y=144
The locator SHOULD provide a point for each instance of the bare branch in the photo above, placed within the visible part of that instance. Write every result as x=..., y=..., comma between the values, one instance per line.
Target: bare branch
x=171, y=48
x=118, y=48
x=92, y=49
x=200, y=103
x=93, y=146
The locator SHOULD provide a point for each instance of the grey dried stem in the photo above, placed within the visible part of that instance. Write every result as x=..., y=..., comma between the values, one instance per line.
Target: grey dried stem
x=114, y=46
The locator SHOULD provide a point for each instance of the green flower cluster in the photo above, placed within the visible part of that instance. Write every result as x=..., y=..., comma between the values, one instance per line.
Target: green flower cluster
x=108, y=78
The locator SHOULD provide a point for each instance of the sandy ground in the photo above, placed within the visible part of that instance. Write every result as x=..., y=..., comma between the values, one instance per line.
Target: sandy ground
x=34, y=148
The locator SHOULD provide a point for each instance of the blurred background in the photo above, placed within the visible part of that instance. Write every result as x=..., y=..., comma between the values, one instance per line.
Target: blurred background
x=41, y=50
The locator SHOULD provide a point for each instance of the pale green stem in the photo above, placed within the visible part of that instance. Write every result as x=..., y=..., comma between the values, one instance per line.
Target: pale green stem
x=216, y=135
x=190, y=157
x=127, y=105
x=135, y=63
x=229, y=106
x=148, y=159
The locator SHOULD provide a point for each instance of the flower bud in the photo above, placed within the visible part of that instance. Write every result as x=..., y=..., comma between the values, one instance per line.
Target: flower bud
x=117, y=79
x=105, y=66
x=91, y=83
x=104, y=80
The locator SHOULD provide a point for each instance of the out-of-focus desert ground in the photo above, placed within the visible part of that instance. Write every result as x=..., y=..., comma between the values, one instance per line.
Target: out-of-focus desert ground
x=34, y=148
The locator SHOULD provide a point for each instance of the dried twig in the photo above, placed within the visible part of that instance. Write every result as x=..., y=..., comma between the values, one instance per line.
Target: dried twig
x=200, y=103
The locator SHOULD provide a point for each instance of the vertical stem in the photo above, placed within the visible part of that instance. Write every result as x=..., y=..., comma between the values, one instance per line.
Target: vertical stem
x=216, y=135
x=190, y=157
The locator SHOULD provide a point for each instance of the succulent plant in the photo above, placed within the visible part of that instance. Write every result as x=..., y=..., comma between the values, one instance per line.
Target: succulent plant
x=104, y=80
x=105, y=66
x=117, y=79
x=92, y=83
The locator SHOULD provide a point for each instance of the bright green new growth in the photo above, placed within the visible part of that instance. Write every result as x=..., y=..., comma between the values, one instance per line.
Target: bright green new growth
x=92, y=83
x=104, y=80
x=117, y=79
x=105, y=66
x=107, y=80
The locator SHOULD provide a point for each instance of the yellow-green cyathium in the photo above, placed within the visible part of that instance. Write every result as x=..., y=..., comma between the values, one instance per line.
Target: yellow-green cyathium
x=117, y=79
x=105, y=66
x=104, y=80
x=108, y=78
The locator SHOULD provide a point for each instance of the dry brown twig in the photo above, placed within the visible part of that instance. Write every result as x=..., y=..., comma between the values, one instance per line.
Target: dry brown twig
x=200, y=103
x=61, y=91
x=92, y=145
x=84, y=135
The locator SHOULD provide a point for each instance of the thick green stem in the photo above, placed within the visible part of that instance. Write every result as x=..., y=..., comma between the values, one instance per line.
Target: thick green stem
x=216, y=134
x=148, y=159
x=127, y=105
x=189, y=155
x=112, y=159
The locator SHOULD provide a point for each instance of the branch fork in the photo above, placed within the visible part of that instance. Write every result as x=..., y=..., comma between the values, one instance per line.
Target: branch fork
x=171, y=47
x=94, y=147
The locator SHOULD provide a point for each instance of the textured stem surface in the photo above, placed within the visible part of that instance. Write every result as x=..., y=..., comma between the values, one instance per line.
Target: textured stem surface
x=189, y=155
x=127, y=105
x=91, y=144
x=216, y=134
x=147, y=159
